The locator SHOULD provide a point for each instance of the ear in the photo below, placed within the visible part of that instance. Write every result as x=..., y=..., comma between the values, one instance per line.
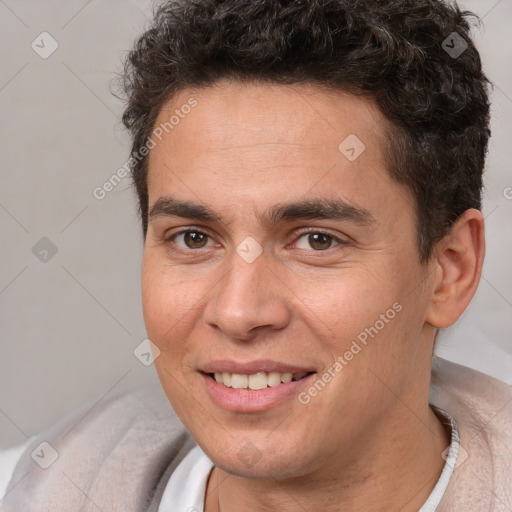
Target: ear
x=457, y=260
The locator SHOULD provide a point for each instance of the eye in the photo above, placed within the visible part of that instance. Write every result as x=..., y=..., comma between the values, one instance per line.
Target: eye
x=191, y=239
x=317, y=241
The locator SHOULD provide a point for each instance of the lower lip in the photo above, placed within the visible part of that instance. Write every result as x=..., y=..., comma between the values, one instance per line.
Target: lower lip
x=244, y=400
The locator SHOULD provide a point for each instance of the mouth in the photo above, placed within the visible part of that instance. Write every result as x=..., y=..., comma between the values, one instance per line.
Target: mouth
x=256, y=381
x=254, y=386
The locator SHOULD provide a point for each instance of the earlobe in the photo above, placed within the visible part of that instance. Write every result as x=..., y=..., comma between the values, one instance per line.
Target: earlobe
x=458, y=264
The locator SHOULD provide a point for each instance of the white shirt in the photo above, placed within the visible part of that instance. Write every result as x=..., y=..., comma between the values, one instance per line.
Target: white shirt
x=186, y=488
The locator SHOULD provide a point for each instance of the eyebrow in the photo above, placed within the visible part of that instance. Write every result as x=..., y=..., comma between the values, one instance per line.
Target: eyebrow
x=328, y=209
x=168, y=206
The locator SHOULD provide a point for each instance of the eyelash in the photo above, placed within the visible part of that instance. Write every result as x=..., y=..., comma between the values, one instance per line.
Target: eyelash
x=170, y=240
x=313, y=231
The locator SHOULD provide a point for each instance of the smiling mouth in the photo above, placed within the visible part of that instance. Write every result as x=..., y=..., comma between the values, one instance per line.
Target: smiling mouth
x=256, y=381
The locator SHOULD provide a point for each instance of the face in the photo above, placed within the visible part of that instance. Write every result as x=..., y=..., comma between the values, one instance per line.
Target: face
x=273, y=253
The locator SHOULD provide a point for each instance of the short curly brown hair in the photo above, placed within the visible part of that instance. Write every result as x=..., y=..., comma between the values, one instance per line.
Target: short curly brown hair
x=390, y=51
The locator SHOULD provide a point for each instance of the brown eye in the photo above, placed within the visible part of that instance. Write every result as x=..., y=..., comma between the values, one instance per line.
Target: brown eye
x=320, y=241
x=195, y=240
x=317, y=241
x=191, y=240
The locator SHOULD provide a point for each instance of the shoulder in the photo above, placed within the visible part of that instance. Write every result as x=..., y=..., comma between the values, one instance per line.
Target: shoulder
x=481, y=397
x=117, y=448
x=480, y=404
x=482, y=408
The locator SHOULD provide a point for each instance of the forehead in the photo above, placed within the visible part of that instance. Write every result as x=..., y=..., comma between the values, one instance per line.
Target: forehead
x=258, y=142
x=229, y=114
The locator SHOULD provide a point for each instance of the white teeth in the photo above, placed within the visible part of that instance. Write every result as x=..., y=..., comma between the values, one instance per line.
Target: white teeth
x=256, y=381
x=286, y=377
x=226, y=378
x=274, y=379
x=239, y=381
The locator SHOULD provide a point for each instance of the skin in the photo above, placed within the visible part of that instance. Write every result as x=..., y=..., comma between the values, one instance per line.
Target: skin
x=368, y=440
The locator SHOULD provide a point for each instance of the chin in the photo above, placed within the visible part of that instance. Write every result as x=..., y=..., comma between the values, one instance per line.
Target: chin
x=247, y=459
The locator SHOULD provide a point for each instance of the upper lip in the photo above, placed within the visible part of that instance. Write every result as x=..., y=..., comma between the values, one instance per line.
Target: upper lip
x=251, y=367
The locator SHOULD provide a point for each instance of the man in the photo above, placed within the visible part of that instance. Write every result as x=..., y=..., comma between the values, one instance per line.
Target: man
x=309, y=179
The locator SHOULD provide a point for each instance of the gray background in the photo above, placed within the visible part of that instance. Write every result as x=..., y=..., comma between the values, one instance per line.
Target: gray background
x=70, y=321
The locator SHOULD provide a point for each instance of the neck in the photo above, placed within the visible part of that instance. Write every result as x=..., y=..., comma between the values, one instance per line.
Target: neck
x=394, y=472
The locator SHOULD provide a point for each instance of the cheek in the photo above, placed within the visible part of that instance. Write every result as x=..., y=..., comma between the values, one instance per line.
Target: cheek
x=170, y=305
x=155, y=302
x=345, y=301
x=368, y=318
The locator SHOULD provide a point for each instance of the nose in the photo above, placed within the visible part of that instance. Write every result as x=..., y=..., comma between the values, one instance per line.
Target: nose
x=248, y=300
